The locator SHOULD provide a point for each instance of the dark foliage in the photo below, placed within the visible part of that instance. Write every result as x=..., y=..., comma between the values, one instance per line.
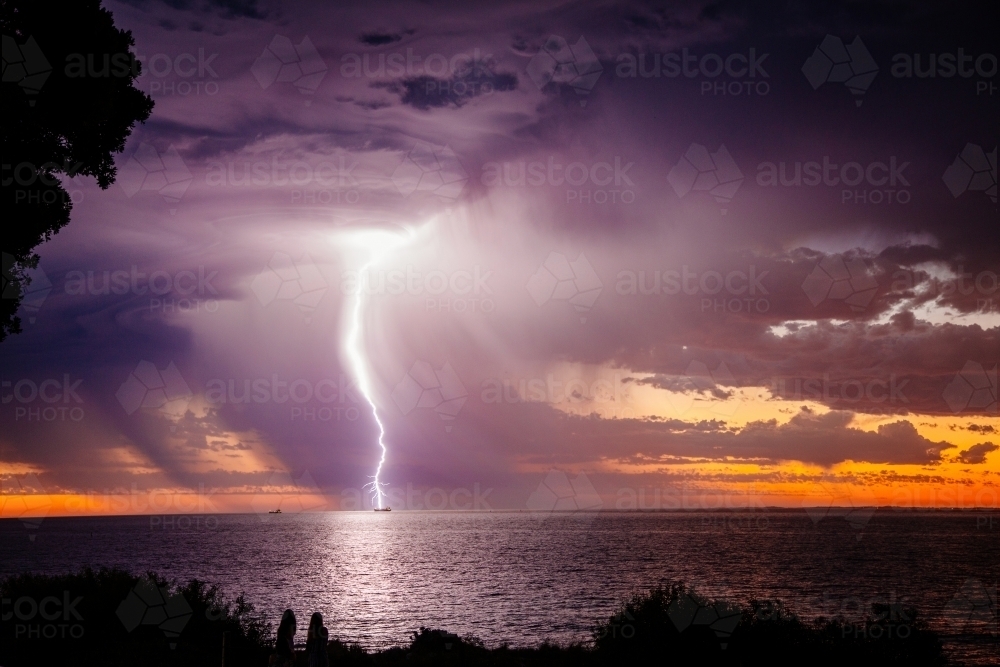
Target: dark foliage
x=666, y=626
x=672, y=621
x=82, y=624
x=69, y=104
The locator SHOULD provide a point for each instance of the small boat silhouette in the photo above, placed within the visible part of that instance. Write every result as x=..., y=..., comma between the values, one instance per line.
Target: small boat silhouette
x=277, y=511
x=383, y=509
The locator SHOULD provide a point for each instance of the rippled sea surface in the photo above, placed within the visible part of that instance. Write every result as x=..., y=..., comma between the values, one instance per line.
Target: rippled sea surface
x=522, y=579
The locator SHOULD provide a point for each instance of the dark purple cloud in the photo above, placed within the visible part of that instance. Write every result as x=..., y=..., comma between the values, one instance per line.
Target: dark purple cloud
x=871, y=291
x=977, y=453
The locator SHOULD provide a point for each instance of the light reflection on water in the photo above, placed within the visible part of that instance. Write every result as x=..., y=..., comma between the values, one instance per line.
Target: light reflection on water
x=523, y=579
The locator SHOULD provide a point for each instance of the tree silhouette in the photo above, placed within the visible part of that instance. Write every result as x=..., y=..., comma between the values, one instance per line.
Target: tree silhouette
x=69, y=104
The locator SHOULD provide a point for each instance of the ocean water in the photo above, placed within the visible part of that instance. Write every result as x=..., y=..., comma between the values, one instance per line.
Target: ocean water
x=521, y=578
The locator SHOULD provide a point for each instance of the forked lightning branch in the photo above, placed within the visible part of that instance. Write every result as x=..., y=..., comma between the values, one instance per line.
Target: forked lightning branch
x=375, y=246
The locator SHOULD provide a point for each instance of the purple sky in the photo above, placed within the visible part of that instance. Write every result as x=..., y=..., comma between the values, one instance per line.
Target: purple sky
x=688, y=330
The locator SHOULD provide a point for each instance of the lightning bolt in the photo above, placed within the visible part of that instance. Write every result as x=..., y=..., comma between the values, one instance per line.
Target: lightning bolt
x=377, y=245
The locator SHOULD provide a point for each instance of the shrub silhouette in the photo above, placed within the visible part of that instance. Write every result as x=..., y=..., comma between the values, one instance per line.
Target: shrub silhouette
x=648, y=628
x=669, y=625
x=101, y=637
